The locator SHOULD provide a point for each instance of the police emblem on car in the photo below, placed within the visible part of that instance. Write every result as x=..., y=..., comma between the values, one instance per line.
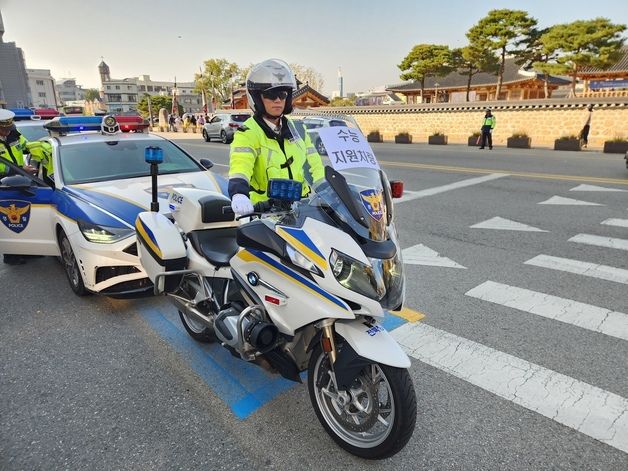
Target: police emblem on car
x=15, y=214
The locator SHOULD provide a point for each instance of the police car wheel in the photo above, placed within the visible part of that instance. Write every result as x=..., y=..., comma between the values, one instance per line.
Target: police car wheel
x=197, y=330
x=71, y=266
x=206, y=136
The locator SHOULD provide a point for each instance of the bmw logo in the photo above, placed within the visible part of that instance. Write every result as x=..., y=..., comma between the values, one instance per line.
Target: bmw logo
x=252, y=278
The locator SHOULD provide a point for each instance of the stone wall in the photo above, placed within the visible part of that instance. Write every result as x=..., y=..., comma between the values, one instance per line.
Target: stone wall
x=542, y=120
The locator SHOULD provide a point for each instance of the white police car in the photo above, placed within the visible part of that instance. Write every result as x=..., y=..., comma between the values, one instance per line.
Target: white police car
x=85, y=211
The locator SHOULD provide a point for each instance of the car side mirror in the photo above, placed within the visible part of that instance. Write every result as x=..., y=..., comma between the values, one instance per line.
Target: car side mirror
x=207, y=163
x=17, y=182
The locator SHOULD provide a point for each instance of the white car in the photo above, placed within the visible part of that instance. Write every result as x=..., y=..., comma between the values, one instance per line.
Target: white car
x=311, y=125
x=86, y=212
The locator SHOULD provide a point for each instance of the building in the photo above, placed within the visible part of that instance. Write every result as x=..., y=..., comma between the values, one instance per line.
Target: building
x=122, y=95
x=68, y=90
x=377, y=98
x=305, y=97
x=612, y=81
x=518, y=84
x=13, y=74
x=43, y=88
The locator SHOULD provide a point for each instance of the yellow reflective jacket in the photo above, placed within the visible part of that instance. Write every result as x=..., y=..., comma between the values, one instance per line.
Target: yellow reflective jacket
x=256, y=156
x=16, y=151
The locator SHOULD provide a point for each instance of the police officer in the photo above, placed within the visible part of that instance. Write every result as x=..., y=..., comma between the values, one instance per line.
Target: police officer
x=267, y=145
x=487, y=128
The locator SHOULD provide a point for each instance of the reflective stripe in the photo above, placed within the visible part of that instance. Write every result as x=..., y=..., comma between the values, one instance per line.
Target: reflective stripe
x=311, y=150
x=270, y=153
x=248, y=150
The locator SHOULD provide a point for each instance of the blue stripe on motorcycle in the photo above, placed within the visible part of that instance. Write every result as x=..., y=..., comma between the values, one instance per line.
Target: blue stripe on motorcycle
x=302, y=237
x=296, y=276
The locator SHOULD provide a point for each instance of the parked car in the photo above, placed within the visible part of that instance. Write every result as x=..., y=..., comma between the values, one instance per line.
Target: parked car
x=85, y=212
x=312, y=124
x=223, y=125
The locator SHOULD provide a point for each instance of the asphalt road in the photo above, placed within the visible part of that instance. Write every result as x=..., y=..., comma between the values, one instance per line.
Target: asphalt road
x=537, y=379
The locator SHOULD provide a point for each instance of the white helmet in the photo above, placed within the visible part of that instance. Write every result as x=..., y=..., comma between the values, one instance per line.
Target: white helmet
x=270, y=74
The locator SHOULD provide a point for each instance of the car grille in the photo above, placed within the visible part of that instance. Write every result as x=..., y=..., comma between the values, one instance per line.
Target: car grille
x=104, y=273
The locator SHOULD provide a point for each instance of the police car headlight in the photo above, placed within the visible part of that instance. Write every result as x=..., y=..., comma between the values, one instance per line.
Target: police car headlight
x=355, y=275
x=103, y=234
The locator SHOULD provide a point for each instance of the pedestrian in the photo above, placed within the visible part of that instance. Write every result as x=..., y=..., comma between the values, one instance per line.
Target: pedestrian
x=201, y=121
x=193, y=120
x=487, y=129
x=13, y=149
x=172, y=122
x=584, y=133
x=177, y=123
x=267, y=144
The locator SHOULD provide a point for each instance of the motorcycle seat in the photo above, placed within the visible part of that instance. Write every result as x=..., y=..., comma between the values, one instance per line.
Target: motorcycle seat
x=216, y=245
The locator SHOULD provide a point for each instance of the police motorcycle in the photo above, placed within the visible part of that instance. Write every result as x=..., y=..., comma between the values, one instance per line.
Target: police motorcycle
x=302, y=286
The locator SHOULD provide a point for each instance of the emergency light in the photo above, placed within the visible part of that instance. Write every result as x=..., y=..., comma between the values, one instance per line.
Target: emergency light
x=22, y=114
x=66, y=124
x=131, y=123
x=284, y=189
x=153, y=155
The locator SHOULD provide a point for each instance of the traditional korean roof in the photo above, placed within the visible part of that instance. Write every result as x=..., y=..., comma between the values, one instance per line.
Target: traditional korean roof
x=512, y=73
x=620, y=66
x=307, y=89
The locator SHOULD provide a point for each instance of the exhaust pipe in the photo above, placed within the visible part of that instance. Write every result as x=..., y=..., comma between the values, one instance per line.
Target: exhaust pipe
x=193, y=312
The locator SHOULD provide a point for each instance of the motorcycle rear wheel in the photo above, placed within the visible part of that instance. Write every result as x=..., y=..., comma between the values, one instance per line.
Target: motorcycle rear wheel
x=378, y=419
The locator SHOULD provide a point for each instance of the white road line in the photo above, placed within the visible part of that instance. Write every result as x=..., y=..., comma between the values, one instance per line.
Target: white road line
x=610, y=242
x=603, y=272
x=422, y=255
x=559, y=200
x=595, y=412
x=502, y=224
x=586, y=316
x=594, y=188
x=615, y=222
x=413, y=195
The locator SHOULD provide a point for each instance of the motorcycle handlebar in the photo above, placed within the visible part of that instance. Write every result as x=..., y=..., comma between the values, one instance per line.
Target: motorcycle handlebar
x=258, y=208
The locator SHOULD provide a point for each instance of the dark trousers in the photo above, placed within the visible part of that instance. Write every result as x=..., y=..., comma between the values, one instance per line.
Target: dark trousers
x=584, y=134
x=486, y=136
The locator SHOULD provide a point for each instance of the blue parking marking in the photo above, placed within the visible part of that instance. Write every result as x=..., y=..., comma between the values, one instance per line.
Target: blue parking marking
x=244, y=387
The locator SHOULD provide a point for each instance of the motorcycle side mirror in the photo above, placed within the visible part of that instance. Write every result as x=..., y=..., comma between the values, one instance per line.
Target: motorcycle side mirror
x=207, y=163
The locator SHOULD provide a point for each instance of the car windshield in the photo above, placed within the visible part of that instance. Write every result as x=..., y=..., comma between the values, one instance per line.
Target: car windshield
x=240, y=118
x=115, y=160
x=32, y=132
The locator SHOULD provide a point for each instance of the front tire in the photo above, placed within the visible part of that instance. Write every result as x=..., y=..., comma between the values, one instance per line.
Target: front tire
x=197, y=330
x=223, y=137
x=70, y=265
x=378, y=417
x=206, y=136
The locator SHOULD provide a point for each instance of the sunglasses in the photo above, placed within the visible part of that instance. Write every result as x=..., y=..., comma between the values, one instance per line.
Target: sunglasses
x=274, y=94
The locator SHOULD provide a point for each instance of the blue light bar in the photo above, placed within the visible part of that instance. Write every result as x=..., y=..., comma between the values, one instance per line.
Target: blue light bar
x=22, y=113
x=66, y=124
x=153, y=155
x=284, y=189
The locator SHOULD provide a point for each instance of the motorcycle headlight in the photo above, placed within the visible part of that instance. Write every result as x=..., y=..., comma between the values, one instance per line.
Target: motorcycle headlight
x=355, y=275
x=103, y=234
x=301, y=260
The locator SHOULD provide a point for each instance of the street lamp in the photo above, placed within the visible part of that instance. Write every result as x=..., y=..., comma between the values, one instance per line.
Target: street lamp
x=436, y=86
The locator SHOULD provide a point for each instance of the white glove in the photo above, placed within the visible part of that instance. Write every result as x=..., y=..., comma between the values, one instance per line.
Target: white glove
x=241, y=204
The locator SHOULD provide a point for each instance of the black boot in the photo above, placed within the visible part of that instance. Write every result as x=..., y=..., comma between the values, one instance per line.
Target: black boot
x=10, y=259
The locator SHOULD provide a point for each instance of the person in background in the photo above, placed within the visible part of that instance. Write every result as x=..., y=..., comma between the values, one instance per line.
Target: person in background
x=487, y=129
x=584, y=133
x=265, y=146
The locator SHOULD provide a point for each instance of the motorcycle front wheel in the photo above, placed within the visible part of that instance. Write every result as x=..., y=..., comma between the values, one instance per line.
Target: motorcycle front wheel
x=374, y=418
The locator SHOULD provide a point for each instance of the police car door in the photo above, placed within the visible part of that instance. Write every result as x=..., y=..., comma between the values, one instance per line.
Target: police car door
x=27, y=216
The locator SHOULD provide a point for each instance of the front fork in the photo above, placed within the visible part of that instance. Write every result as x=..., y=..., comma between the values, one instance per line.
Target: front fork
x=328, y=345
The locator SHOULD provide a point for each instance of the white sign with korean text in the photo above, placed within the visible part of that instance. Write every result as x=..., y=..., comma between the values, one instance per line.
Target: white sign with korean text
x=347, y=148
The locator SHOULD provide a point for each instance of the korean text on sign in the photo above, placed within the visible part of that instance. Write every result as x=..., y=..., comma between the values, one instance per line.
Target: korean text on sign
x=347, y=148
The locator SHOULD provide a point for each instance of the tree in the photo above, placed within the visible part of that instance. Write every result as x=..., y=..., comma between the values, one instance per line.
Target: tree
x=156, y=103
x=340, y=101
x=426, y=60
x=92, y=94
x=590, y=43
x=534, y=53
x=308, y=75
x=500, y=31
x=218, y=79
x=473, y=59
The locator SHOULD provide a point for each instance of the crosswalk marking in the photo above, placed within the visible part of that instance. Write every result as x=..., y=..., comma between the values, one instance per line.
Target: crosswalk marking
x=600, y=241
x=595, y=412
x=559, y=200
x=594, y=188
x=586, y=316
x=603, y=272
x=422, y=255
x=615, y=222
x=412, y=195
x=499, y=223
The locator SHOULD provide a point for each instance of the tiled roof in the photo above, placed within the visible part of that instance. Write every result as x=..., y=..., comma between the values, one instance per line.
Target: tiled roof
x=620, y=66
x=305, y=89
x=512, y=74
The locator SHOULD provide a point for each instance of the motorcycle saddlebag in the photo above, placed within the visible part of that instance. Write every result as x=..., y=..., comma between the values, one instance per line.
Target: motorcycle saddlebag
x=161, y=249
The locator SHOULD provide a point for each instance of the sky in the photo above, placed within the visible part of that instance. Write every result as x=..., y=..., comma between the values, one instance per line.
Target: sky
x=164, y=39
